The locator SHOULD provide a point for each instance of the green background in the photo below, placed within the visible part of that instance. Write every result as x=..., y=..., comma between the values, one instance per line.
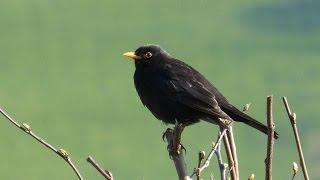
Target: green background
x=62, y=71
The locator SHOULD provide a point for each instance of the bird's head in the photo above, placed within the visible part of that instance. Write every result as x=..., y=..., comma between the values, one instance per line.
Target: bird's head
x=147, y=53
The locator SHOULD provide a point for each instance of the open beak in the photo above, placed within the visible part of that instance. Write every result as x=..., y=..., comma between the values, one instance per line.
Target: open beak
x=131, y=55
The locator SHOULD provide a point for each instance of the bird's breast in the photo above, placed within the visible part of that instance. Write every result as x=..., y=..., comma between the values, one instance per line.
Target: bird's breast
x=157, y=94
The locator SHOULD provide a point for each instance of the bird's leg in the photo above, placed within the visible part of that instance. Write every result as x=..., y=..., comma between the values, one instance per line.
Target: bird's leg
x=175, y=146
x=179, y=127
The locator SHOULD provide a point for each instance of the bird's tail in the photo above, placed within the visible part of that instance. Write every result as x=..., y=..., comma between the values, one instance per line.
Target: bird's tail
x=238, y=115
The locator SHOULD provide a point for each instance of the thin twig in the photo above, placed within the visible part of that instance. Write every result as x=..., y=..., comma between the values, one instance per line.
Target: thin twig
x=177, y=158
x=61, y=152
x=268, y=160
x=233, y=151
x=293, y=121
x=213, y=150
x=222, y=166
x=200, y=158
x=232, y=172
x=105, y=173
x=206, y=163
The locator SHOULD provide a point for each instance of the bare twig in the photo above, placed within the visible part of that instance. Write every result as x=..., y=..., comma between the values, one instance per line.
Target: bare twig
x=177, y=158
x=233, y=151
x=61, y=152
x=105, y=173
x=200, y=158
x=293, y=121
x=232, y=172
x=268, y=160
x=222, y=166
x=206, y=163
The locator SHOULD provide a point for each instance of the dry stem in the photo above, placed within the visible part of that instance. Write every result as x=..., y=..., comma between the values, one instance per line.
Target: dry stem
x=61, y=152
x=293, y=121
x=268, y=160
x=105, y=173
x=206, y=163
x=233, y=174
x=233, y=151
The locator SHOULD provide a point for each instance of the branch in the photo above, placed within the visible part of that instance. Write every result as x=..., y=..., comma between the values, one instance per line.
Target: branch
x=177, y=158
x=200, y=158
x=293, y=121
x=208, y=159
x=222, y=167
x=234, y=152
x=61, y=152
x=268, y=160
x=105, y=173
x=232, y=172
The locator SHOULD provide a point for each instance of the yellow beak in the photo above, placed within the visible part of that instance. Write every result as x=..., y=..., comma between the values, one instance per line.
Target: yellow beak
x=131, y=55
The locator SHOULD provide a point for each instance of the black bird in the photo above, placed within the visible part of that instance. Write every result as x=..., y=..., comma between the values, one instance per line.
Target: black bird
x=174, y=91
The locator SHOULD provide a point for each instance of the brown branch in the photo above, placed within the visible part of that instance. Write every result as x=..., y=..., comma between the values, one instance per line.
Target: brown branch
x=270, y=122
x=233, y=174
x=105, y=173
x=61, y=152
x=200, y=158
x=178, y=158
x=233, y=151
x=293, y=121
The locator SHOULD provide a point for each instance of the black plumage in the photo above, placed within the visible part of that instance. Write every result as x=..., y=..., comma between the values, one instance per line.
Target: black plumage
x=174, y=91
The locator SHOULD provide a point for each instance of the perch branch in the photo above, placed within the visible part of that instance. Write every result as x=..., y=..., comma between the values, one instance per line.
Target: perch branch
x=270, y=122
x=61, y=152
x=293, y=121
x=178, y=158
x=105, y=173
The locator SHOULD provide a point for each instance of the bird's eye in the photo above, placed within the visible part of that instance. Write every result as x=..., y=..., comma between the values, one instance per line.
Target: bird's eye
x=148, y=55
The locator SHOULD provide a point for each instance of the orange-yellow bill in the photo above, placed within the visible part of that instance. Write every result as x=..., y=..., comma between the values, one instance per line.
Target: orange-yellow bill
x=131, y=55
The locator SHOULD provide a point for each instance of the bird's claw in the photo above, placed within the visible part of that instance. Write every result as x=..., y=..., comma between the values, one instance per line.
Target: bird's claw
x=165, y=134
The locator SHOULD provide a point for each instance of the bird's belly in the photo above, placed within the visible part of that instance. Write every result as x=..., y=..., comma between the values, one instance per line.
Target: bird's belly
x=168, y=110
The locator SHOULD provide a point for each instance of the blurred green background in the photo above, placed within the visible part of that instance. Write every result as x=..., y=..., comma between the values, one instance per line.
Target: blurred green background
x=62, y=71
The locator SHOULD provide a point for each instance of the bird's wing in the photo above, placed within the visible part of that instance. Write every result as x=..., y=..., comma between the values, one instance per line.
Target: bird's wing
x=191, y=89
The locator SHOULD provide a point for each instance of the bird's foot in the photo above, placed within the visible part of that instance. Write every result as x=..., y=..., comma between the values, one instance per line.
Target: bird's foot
x=225, y=123
x=173, y=137
x=178, y=132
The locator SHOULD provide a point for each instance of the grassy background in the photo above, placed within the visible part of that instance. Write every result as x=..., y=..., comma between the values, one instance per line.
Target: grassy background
x=62, y=72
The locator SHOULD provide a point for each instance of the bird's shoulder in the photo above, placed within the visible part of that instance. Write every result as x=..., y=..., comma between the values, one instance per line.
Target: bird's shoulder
x=180, y=73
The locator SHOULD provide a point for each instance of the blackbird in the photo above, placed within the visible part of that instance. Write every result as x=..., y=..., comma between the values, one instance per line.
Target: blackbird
x=174, y=91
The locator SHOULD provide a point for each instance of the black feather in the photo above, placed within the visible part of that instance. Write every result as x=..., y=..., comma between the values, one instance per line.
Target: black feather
x=173, y=90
